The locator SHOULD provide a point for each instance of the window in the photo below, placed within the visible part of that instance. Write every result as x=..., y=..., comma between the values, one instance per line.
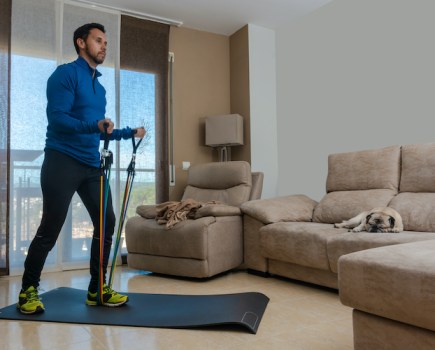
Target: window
x=137, y=105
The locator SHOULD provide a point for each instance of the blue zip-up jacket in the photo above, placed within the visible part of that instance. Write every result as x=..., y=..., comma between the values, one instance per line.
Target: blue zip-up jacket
x=76, y=102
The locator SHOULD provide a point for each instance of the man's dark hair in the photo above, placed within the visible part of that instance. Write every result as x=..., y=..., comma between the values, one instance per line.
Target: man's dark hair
x=83, y=32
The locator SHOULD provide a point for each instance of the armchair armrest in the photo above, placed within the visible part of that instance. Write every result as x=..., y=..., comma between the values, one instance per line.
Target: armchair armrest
x=147, y=211
x=287, y=208
x=217, y=210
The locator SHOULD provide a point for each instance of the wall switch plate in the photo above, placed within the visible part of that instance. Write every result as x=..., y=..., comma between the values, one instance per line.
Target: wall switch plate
x=186, y=165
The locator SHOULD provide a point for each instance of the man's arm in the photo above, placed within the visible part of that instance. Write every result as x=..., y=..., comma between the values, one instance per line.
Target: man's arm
x=126, y=133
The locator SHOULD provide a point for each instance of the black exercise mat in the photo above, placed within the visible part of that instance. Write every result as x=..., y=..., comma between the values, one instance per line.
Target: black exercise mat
x=67, y=305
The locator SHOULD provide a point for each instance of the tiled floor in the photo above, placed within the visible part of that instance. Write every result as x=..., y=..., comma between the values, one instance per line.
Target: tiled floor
x=297, y=317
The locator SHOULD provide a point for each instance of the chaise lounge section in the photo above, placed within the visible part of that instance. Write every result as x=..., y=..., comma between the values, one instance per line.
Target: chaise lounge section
x=392, y=291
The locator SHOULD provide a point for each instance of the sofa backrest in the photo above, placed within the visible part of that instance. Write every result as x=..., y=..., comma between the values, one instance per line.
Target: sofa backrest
x=359, y=181
x=416, y=199
x=364, y=170
x=418, y=168
x=227, y=182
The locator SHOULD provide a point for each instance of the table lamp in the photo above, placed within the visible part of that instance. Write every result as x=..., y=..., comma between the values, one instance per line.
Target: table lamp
x=223, y=132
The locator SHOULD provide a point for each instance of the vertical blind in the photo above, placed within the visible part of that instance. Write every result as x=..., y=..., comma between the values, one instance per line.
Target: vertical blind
x=144, y=48
x=5, y=40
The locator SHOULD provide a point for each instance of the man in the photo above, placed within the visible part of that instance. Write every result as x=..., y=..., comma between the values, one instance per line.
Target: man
x=76, y=122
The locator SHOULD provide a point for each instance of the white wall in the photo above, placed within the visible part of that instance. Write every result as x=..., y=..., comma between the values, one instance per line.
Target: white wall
x=262, y=90
x=353, y=75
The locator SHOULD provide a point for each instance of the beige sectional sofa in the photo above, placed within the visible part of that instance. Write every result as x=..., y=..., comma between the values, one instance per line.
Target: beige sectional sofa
x=294, y=236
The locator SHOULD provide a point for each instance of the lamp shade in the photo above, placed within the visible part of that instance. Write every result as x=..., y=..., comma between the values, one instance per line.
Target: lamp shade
x=224, y=130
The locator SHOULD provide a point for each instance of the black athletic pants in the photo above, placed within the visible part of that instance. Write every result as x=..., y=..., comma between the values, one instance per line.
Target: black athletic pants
x=61, y=177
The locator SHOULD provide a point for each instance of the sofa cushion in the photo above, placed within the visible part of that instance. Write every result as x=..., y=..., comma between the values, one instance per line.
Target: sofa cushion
x=302, y=243
x=417, y=210
x=350, y=242
x=395, y=282
x=343, y=205
x=418, y=168
x=364, y=170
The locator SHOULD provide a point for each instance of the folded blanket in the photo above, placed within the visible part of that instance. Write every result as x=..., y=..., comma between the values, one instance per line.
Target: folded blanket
x=170, y=213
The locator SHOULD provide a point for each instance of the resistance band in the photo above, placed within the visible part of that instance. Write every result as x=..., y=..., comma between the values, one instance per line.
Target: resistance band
x=123, y=214
x=105, y=166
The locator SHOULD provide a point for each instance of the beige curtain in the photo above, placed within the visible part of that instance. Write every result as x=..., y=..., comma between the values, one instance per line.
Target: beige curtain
x=144, y=48
x=5, y=41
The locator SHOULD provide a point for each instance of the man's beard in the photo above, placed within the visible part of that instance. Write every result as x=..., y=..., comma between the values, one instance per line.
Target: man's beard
x=95, y=57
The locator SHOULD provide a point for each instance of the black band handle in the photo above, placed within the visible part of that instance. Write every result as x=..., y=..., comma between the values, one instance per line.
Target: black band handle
x=135, y=145
x=106, y=139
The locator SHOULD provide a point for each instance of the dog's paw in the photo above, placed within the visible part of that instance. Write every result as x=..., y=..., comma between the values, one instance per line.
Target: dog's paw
x=356, y=229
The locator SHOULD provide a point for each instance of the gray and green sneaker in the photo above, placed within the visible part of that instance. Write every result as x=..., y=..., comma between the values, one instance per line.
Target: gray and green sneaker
x=110, y=298
x=29, y=301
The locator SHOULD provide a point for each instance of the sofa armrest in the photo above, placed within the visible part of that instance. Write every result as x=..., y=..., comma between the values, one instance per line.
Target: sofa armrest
x=147, y=211
x=287, y=208
x=217, y=210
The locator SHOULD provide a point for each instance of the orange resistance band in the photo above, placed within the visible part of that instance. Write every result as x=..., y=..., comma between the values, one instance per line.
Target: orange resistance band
x=100, y=289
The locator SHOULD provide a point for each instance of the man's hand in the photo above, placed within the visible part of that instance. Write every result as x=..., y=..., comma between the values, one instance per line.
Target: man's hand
x=110, y=125
x=139, y=132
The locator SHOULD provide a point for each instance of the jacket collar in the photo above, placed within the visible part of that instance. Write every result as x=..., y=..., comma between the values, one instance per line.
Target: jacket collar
x=82, y=63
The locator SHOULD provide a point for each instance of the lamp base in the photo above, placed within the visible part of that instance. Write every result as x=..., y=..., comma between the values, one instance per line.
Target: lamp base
x=224, y=153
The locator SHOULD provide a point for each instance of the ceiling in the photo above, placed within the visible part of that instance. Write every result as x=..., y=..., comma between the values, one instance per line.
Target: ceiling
x=219, y=16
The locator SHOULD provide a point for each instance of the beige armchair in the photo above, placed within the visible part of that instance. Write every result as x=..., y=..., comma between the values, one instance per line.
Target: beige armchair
x=207, y=245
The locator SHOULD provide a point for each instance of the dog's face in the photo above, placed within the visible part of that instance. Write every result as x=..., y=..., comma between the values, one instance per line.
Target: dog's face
x=379, y=222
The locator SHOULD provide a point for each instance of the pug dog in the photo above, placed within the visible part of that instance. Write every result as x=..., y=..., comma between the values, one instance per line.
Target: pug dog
x=382, y=219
